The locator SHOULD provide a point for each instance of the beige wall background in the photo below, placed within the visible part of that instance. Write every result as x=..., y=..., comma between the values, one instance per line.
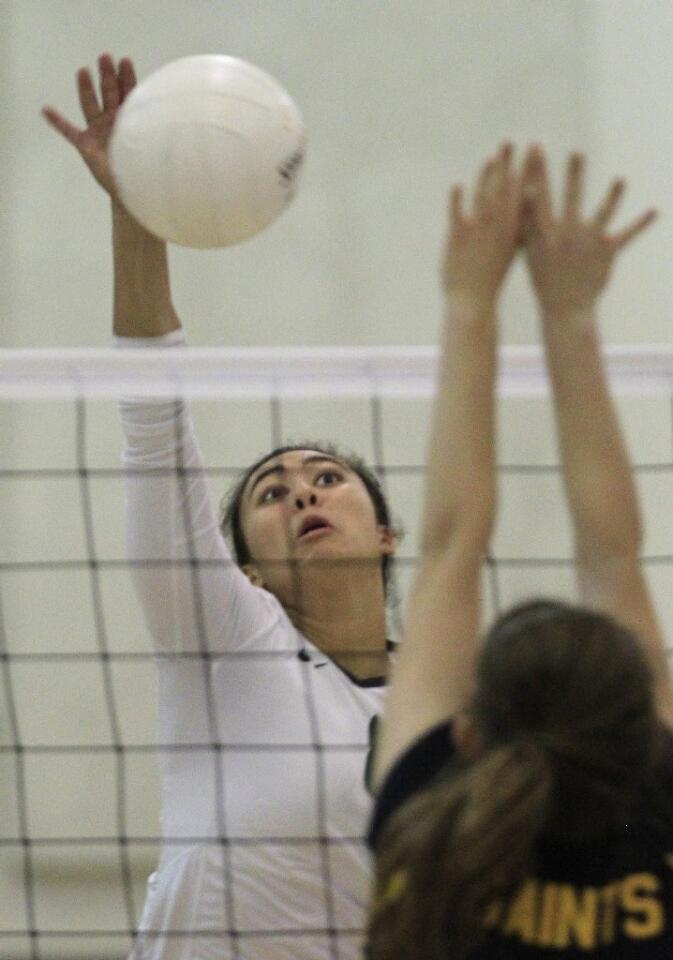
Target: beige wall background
x=400, y=99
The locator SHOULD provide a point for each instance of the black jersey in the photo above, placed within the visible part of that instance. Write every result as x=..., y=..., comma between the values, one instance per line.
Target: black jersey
x=612, y=900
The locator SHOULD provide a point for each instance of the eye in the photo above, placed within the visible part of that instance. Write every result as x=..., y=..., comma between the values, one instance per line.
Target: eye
x=328, y=478
x=274, y=492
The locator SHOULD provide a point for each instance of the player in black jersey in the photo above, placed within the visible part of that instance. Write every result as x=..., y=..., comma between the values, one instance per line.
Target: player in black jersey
x=525, y=789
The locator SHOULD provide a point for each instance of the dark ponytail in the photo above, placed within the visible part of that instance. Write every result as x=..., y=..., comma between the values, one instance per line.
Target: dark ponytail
x=454, y=850
x=565, y=714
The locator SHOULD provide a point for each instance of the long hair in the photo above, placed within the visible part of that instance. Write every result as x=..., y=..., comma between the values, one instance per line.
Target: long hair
x=231, y=523
x=565, y=712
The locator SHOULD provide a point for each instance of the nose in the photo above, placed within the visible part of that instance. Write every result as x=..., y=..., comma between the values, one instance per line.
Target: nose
x=305, y=500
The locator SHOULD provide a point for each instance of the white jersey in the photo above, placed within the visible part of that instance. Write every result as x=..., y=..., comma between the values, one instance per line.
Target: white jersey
x=263, y=800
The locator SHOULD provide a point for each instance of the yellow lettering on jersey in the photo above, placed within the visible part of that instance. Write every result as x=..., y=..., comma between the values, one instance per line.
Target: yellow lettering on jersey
x=522, y=913
x=639, y=897
x=560, y=916
x=548, y=915
x=577, y=916
x=610, y=897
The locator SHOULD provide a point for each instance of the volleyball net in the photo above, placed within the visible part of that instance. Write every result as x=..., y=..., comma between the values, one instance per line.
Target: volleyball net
x=79, y=751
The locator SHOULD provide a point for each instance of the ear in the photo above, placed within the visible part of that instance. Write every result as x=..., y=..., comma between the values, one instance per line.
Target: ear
x=253, y=574
x=387, y=540
x=465, y=736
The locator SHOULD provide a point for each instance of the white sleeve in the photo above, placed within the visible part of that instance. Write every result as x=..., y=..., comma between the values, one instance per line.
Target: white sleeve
x=193, y=595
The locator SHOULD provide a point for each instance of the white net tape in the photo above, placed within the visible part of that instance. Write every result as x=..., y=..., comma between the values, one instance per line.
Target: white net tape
x=292, y=372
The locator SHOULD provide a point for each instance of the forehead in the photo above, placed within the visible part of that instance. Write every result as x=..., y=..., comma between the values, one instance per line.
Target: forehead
x=294, y=460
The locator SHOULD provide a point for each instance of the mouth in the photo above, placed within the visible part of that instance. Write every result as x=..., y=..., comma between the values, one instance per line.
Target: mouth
x=313, y=527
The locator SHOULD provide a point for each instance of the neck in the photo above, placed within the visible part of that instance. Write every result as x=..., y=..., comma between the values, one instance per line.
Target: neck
x=344, y=616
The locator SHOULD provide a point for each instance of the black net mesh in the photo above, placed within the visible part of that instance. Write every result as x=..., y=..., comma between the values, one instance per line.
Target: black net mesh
x=82, y=766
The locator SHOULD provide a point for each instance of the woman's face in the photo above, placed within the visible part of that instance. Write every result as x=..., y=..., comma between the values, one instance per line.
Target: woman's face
x=305, y=505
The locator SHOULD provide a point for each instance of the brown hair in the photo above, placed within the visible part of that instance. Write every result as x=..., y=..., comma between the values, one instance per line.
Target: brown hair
x=565, y=711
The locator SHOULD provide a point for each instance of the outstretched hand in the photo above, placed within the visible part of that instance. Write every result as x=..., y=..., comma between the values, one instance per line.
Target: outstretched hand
x=99, y=113
x=569, y=257
x=481, y=245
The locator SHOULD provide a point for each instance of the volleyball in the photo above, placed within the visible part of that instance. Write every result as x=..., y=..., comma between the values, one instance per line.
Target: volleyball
x=206, y=152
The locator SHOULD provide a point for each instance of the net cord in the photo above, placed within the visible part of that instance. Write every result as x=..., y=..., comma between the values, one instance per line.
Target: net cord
x=294, y=372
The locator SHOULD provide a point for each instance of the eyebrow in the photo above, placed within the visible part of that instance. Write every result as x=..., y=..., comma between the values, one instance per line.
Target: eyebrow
x=280, y=470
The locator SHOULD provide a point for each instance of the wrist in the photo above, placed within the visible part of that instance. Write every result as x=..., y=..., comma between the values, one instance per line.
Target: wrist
x=470, y=307
x=119, y=212
x=126, y=227
x=571, y=319
x=571, y=343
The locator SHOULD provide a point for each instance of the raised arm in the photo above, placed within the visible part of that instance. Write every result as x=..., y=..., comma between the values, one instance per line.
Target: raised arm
x=142, y=297
x=570, y=258
x=434, y=674
x=193, y=595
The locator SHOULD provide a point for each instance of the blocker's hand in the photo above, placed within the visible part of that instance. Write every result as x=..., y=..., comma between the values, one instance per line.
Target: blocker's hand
x=481, y=245
x=569, y=257
x=100, y=115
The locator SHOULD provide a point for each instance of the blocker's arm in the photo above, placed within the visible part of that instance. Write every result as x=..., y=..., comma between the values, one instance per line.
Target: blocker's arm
x=601, y=491
x=434, y=674
x=570, y=258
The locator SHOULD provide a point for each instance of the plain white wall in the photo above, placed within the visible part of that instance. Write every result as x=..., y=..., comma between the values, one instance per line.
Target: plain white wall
x=630, y=89
x=400, y=99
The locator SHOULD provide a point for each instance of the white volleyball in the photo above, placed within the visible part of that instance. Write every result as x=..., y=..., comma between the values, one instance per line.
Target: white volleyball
x=206, y=151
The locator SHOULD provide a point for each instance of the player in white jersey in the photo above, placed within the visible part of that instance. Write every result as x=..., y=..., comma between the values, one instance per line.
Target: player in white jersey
x=269, y=677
